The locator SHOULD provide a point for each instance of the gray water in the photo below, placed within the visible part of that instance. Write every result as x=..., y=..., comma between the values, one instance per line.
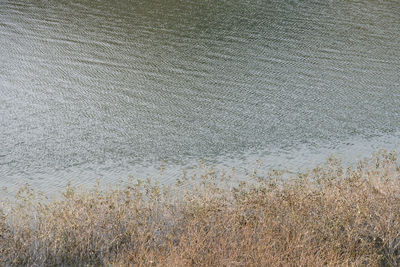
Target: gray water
x=106, y=89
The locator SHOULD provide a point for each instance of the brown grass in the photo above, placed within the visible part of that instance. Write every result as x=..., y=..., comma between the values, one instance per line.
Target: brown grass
x=328, y=216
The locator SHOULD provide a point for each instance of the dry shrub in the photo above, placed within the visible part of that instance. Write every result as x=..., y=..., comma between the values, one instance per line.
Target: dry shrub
x=328, y=216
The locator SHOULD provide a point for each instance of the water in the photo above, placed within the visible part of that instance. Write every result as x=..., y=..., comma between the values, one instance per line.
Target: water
x=103, y=90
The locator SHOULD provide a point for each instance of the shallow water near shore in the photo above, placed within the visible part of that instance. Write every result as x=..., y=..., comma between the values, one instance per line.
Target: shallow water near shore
x=103, y=90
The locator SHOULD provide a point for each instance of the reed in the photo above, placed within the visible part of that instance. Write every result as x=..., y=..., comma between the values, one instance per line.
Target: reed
x=327, y=216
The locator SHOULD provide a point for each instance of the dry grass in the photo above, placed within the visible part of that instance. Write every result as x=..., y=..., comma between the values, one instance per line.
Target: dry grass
x=328, y=216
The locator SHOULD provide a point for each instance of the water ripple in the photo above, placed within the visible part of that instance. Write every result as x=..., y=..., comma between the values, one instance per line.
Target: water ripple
x=107, y=89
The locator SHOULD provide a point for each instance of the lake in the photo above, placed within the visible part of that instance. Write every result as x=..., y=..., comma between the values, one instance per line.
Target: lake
x=107, y=89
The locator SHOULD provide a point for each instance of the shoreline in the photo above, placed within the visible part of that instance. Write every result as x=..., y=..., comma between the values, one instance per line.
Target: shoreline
x=329, y=215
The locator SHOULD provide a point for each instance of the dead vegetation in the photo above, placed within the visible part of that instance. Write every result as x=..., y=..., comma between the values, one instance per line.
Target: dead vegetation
x=328, y=216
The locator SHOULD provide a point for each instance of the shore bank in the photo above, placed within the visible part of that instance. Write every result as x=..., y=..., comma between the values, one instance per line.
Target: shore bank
x=329, y=215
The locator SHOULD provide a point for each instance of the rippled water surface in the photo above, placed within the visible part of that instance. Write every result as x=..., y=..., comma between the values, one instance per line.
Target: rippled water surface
x=102, y=89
